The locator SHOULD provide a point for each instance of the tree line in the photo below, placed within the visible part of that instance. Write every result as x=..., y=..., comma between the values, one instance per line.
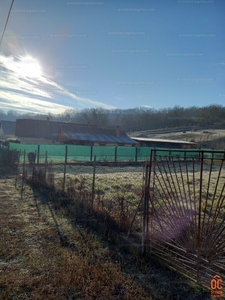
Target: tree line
x=135, y=119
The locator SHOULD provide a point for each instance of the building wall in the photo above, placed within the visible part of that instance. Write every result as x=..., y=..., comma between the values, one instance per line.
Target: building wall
x=165, y=145
x=1, y=132
x=38, y=141
x=9, y=136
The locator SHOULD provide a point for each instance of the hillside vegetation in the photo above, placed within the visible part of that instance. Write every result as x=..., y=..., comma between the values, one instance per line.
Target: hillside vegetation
x=138, y=119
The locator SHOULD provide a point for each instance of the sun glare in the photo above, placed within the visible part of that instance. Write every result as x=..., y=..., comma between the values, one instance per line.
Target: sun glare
x=30, y=67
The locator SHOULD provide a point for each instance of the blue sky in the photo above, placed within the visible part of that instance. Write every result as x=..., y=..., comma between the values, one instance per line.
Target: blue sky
x=58, y=55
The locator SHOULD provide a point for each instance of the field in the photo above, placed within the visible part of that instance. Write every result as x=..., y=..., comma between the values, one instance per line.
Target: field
x=204, y=137
x=48, y=251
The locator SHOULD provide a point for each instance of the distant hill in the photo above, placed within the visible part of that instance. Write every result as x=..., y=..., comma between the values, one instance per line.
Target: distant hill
x=204, y=137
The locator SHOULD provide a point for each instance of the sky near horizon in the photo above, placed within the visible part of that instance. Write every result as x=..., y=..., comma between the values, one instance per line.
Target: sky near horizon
x=58, y=55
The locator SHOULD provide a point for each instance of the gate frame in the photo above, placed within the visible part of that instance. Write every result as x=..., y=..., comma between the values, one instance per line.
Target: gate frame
x=149, y=176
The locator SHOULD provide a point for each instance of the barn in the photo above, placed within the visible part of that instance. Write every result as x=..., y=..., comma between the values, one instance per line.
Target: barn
x=49, y=132
x=7, y=129
x=93, y=135
x=34, y=131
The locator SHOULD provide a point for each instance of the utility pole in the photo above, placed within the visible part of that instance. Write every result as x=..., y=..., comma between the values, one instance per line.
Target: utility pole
x=6, y=23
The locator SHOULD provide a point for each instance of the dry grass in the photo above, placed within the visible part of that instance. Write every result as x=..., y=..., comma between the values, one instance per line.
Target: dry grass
x=46, y=254
x=35, y=265
x=117, y=192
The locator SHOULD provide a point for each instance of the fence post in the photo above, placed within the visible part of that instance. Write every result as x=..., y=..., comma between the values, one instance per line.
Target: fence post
x=136, y=153
x=33, y=171
x=145, y=209
x=115, y=155
x=46, y=161
x=17, y=169
x=23, y=174
x=170, y=154
x=199, y=235
x=24, y=161
x=91, y=153
x=38, y=154
x=64, y=177
x=93, y=183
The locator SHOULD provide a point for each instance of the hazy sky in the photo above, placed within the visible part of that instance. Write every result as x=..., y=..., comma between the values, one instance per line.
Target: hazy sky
x=112, y=53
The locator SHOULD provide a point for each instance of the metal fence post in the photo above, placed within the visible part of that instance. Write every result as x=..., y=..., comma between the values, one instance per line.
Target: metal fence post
x=115, y=154
x=38, y=154
x=91, y=152
x=33, y=169
x=23, y=174
x=199, y=236
x=136, y=154
x=46, y=162
x=17, y=169
x=64, y=176
x=144, y=225
x=93, y=183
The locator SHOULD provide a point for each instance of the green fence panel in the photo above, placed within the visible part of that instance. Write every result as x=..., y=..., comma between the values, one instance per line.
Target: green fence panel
x=81, y=153
x=126, y=153
x=53, y=150
x=218, y=155
x=192, y=154
x=143, y=153
x=161, y=153
x=21, y=147
x=55, y=153
x=104, y=153
x=178, y=154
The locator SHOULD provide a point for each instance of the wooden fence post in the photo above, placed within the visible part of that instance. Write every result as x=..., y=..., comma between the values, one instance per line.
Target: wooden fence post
x=64, y=177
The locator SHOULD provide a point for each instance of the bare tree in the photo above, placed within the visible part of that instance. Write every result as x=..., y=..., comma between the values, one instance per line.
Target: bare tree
x=95, y=116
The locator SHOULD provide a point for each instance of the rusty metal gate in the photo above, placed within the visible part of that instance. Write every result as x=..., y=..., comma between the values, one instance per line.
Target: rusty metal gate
x=184, y=212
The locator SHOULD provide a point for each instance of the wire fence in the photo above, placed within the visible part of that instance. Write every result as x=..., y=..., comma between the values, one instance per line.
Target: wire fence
x=74, y=153
x=172, y=206
x=106, y=190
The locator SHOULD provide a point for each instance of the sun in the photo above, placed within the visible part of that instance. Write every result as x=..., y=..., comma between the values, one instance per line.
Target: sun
x=30, y=67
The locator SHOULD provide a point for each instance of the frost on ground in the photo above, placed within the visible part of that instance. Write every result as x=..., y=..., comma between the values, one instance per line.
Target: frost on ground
x=44, y=255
